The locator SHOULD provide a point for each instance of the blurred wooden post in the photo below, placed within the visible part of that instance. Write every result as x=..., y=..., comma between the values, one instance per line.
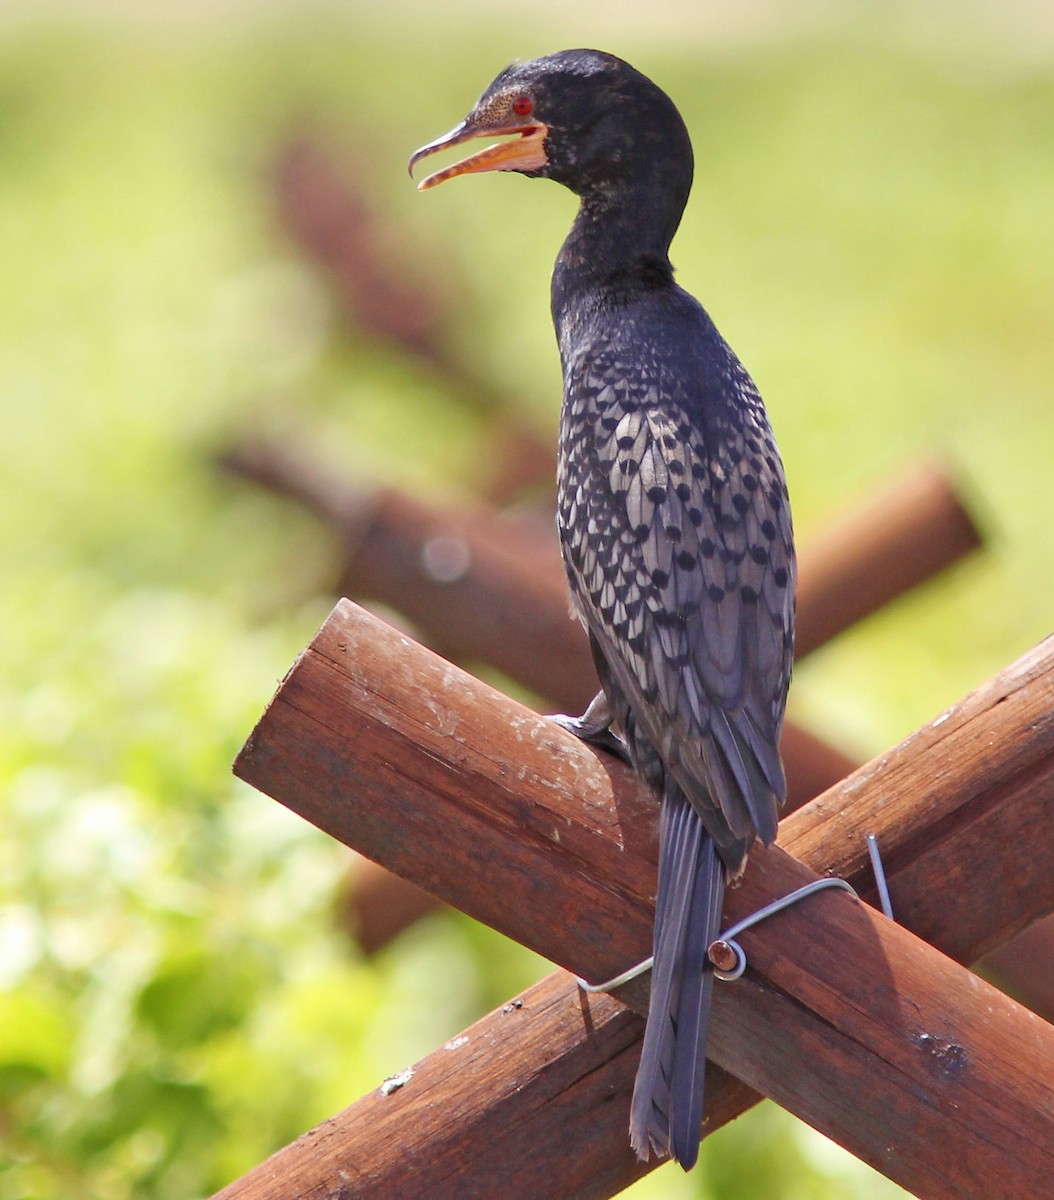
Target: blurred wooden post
x=345, y=233
x=483, y=587
x=959, y=1079
x=479, y=586
x=341, y=229
x=904, y=533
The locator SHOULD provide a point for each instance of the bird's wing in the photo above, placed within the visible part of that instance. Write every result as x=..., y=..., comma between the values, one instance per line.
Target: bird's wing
x=679, y=550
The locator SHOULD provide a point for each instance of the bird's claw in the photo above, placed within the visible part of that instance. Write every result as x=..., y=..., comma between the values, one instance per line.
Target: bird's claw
x=600, y=737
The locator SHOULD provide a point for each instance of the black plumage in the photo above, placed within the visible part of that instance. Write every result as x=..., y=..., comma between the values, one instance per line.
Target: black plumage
x=673, y=519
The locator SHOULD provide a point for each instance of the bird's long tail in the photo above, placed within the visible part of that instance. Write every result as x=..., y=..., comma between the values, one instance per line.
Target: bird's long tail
x=667, y=1109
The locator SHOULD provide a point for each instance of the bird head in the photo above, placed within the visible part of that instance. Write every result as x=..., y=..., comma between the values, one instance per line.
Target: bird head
x=581, y=117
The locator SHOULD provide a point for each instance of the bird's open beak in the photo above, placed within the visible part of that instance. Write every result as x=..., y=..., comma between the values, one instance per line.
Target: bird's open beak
x=525, y=151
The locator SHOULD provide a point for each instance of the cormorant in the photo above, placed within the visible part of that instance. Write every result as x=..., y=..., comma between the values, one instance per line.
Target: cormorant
x=673, y=519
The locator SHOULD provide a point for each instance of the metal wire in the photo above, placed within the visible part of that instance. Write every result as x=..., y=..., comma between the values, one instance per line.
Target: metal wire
x=880, y=875
x=727, y=938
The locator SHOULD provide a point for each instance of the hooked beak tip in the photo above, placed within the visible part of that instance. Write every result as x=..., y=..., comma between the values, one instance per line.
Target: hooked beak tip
x=455, y=135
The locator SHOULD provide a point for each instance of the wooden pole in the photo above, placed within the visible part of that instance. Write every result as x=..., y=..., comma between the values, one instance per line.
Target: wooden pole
x=480, y=586
x=342, y=229
x=343, y=232
x=393, y=750
x=440, y=761
x=543, y=1083
x=483, y=587
x=1024, y=967
x=904, y=534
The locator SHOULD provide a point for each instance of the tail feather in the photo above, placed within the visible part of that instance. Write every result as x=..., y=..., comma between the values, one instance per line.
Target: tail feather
x=667, y=1107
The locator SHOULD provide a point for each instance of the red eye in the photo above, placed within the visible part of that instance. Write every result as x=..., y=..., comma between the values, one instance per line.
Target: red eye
x=523, y=106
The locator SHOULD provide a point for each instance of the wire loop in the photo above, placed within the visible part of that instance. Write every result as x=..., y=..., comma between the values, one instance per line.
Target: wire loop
x=720, y=947
x=724, y=948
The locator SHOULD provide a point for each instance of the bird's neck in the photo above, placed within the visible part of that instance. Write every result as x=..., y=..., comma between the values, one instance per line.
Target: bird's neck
x=617, y=249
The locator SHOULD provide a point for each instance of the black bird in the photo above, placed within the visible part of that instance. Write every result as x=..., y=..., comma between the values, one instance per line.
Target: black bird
x=673, y=520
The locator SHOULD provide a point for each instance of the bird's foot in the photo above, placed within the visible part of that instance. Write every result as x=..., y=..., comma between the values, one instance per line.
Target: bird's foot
x=594, y=728
x=601, y=739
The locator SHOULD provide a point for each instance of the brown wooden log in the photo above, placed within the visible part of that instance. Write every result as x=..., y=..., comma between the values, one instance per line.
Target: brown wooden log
x=344, y=234
x=480, y=587
x=378, y=905
x=484, y=588
x=390, y=749
x=466, y=1107
x=341, y=228
x=901, y=536
x=419, y=760
x=1024, y=967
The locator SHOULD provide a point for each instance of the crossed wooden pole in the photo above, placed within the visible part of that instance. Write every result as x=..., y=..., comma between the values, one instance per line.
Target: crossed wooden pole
x=866, y=1029
x=504, y=603
x=869, y=1033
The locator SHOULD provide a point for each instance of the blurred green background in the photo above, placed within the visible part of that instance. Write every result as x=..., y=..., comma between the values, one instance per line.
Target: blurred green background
x=871, y=228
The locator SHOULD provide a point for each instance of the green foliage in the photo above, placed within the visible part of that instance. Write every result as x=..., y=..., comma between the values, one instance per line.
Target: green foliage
x=870, y=227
